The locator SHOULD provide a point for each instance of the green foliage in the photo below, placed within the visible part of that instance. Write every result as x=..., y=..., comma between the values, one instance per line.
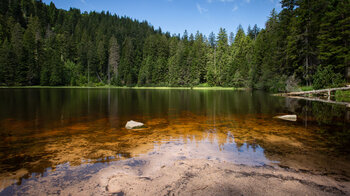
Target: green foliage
x=203, y=85
x=72, y=73
x=238, y=80
x=324, y=114
x=113, y=60
x=7, y=64
x=277, y=84
x=307, y=88
x=43, y=45
x=325, y=77
x=333, y=37
x=342, y=96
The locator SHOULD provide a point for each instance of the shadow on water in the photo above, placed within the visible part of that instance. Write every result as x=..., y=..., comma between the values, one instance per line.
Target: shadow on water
x=42, y=129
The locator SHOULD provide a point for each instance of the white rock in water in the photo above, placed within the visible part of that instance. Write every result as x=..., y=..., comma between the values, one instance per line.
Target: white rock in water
x=288, y=117
x=133, y=125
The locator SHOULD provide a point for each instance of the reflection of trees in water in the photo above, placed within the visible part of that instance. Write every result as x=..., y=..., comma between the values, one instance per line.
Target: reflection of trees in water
x=335, y=127
x=322, y=113
x=328, y=113
x=58, y=105
x=45, y=122
x=332, y=120
x=50, y=106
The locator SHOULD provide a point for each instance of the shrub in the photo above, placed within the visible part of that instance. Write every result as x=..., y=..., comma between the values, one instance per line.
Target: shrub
x=326, y=78
x=292, y=84
x=203, y=85
x=277, y=84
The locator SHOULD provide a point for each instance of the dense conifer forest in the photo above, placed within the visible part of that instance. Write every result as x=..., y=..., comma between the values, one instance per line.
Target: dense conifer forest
x=307, y=43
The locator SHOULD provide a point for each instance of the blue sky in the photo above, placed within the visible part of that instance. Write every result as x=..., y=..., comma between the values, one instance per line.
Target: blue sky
x=177, y=15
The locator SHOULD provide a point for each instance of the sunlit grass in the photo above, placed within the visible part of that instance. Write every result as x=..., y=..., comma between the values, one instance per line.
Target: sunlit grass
x=307, y=88
x=343, y=96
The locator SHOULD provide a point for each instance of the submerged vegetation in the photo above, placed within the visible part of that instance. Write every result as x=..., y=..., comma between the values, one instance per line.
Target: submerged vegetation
x=43, y=45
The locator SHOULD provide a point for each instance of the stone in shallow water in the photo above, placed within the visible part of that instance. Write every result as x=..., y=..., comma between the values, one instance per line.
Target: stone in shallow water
x=288, y=117
x=133, y=125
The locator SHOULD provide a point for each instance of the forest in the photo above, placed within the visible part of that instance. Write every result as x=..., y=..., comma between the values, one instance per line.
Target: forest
x=305, y=44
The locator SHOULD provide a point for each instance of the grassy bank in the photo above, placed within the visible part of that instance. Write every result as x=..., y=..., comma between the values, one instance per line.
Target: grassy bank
x=307, y=88
x=343, y=96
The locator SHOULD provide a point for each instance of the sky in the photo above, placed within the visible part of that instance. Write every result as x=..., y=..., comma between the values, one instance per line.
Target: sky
x=176, y=16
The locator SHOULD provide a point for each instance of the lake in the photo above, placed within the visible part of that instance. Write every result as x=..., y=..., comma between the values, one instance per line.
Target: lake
x=75, y=132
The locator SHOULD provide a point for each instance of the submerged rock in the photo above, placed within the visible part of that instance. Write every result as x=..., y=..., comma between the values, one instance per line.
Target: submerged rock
x=292, y=117
x=134, y=125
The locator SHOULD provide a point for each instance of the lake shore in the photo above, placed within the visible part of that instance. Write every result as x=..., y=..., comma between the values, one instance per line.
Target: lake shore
x=180, y=169
x=212, y=177
x=125, y=87
x=138, y=176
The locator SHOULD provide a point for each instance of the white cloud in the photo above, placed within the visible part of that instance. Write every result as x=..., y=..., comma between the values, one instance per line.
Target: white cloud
x=201, y=9
x=235, y=8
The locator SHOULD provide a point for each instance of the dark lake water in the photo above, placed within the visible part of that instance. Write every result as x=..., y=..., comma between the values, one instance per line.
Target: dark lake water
x=46, y=130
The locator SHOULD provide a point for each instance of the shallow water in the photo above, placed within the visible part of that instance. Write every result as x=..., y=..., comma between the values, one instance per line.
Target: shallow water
x=45, y=131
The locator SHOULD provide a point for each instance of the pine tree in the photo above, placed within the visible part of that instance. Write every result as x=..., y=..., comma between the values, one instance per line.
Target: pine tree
x=212, y=39
x=31, y=43
x=126, y=69
x=92, y=61
x=17, y=47
x=113, y=60
x=307, y=39
x=102, y=58
x=4, y=6
x=334, y=36
x=7, y=64
x=222, y=56
x=231, y=38
x=255, y=31
x=173, y=60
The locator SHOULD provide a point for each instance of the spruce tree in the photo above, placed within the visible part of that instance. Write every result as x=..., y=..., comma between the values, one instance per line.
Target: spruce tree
x=113, y=60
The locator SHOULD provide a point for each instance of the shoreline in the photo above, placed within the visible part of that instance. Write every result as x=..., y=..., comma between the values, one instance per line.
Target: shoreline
x=122, y=87
x=174, y=169
x=137, y=176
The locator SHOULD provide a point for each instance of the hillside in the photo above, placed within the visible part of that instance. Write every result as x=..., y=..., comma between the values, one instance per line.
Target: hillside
x=307, y=43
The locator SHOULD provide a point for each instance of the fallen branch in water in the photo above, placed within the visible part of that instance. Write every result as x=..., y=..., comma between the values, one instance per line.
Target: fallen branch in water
x=347, y=104
x=329, y=90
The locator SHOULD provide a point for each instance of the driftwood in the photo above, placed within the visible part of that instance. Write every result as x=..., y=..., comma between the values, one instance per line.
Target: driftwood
x=306, y=95
x=302, y=93
x=320, y=100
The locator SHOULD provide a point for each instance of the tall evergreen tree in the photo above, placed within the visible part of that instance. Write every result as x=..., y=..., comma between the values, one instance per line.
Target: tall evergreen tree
x=222, y=55
x=41, y=44
x=113, y=60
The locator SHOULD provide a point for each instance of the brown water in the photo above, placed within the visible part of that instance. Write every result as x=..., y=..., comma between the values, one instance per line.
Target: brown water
x=43, y=131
